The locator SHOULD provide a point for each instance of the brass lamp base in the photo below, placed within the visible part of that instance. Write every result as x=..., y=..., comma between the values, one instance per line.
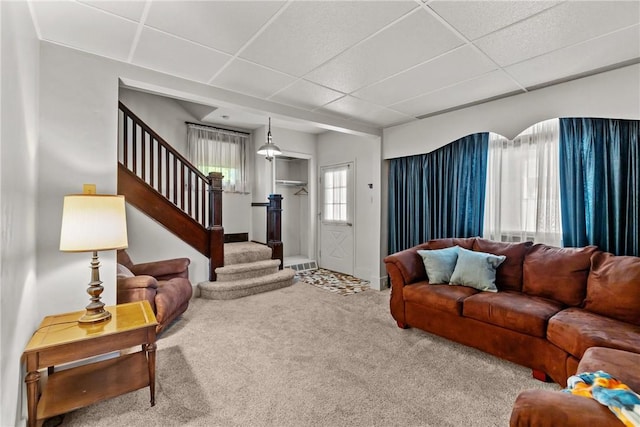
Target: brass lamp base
x=92, y=317
x=95, y=310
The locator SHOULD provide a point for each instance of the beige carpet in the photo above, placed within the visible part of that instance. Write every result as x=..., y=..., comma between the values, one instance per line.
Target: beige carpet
x=302, y=356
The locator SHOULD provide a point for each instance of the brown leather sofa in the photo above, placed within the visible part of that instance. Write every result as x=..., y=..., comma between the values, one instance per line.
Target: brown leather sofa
x=165, y=284
x=545, y=408
x=552, y=303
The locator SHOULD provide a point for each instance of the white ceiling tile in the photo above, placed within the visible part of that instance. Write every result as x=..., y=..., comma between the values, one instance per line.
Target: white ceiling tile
x=420, y=36
x=307, y=95
x=580, y=58
x=564, y=25
x=224, y=25
x=308, y=33
x=251, y=79
x=130, y=9
x=455, y=66
x=490, y=85
x=477, y=18
x=352, y=107
x=85, y=28
x=162, y=52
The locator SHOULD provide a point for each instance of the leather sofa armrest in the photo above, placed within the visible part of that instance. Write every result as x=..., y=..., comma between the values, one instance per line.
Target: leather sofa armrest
x=144, y=281
x=164, y=270
x=409, y=264
x=137, y=288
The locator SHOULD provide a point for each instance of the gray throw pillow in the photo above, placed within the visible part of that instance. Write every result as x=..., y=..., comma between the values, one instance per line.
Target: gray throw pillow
x=439, y=263
x=476, y=270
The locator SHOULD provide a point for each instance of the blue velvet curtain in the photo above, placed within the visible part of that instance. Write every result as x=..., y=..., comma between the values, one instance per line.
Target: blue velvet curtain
x=600, y=184
x=439, y=194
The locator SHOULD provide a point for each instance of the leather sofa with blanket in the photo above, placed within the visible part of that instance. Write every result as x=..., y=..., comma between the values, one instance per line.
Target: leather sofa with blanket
x=549, y=304
x=546, y=408
x=165, y=284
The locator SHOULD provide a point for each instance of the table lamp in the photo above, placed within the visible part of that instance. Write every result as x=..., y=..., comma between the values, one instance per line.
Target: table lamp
x=92, y=223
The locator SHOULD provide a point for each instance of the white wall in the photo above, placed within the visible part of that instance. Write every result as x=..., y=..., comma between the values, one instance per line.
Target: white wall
x=78, y=134
x=614, y=94
x=365, y=152
x=19, y=314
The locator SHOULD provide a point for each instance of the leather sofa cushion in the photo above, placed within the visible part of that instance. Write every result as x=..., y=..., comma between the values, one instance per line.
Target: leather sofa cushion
x=509, y=273
x=559, y=274
x=545, y=408
x=441, y=297
x=172, y=294
x=613, y=287
x=622, y=365
x=463, y=242
x=512, y=310
x=574, y=330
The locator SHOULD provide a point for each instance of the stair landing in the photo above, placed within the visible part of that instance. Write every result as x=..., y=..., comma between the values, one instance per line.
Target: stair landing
x=248, y=270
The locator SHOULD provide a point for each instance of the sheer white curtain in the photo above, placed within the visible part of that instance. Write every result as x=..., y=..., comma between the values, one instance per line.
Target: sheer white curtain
x=217, y=150
x=523, y=186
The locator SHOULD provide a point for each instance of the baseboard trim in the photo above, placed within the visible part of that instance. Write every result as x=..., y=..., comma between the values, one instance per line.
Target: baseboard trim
x=236, y=237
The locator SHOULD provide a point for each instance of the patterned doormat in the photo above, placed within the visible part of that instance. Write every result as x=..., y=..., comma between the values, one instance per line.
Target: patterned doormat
x=332, y=281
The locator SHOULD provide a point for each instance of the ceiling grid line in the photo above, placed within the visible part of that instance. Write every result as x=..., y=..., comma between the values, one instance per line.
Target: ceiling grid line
x=136, y=38
x=251, y=40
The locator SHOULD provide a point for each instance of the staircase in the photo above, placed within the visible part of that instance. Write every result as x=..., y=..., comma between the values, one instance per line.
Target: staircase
x=248, y=270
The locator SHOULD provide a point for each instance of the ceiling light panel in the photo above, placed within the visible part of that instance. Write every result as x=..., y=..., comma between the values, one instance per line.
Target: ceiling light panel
x=224, y=25
x=490, y=85
x=478, y=18
x=251, y=79
x=579, y=59
x=410, y=41
x=453, y=67
x=86, y=28
x=306, y=95
x=562, y=26
x=308, y=33
x=162, y=52
x=131, y=9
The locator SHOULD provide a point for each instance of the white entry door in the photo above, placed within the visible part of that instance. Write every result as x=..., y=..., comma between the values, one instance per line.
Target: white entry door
x=336, y=217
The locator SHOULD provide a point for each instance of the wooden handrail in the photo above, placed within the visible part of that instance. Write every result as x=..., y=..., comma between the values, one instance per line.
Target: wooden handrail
x=165, y=171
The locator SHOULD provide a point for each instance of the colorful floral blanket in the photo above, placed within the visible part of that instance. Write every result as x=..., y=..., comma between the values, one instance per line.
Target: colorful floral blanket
x=618, y=397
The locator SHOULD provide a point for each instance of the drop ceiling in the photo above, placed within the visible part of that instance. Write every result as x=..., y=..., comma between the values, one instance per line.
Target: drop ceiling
x=375, y=63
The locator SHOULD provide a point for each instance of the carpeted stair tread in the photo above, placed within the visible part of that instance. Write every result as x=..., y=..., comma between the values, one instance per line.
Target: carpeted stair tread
x=241, y=288
x=245, y=252
x=247, y=270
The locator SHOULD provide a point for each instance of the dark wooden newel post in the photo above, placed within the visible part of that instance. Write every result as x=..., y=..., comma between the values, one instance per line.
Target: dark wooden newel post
x=274, y=227
x=216, y=231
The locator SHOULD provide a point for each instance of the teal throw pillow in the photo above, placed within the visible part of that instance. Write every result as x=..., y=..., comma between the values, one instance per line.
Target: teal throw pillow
x=439, y=263
x=477, y=270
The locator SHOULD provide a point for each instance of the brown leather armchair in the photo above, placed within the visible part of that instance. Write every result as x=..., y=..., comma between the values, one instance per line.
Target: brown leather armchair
x=165, y=284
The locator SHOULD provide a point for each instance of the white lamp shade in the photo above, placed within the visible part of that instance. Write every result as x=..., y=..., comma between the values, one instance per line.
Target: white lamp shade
x=93, y=222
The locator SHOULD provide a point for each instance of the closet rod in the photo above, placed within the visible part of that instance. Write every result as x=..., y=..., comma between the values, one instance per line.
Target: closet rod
x=217, y=128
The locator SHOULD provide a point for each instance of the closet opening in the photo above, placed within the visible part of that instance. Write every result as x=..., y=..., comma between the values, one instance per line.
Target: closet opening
x=292, y=181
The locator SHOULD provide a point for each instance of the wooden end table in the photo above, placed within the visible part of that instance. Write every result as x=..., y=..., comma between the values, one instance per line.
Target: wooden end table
x=61, y=339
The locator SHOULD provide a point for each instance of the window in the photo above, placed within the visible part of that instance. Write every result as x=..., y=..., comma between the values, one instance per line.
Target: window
x=335, y=182
x=523, y=186
x=217, y=150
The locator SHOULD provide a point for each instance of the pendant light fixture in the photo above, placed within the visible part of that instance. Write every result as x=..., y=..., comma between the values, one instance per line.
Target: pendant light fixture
x=269, y=150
